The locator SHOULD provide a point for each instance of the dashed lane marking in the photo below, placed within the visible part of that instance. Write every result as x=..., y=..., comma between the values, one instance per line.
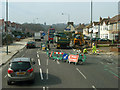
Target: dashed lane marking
x=81, y=73
x=5, y=76
x=58, y=62
x=41, y=74
x=38, y=55
x=39, y=62
x=94, y=87
x=43, y=88
x=47, y=88
x=47, y=74
x=47, y=62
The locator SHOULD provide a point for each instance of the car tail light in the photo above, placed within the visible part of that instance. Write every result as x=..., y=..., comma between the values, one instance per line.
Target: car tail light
x=27, y=44
x=10, y=71
x=19, y=61
x=30, y=70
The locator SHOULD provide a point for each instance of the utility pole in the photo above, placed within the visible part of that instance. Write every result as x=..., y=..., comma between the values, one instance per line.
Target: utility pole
x=7, y=25
x=91, y=23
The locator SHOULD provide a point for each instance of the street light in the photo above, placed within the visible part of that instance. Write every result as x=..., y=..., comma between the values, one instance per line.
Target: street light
x=91, y=23
x=68, y=16
x=7, y=25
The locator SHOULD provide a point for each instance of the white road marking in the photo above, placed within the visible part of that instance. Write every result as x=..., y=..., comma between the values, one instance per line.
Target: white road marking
x=43, y=88
x=81, y=73
x=41, y=74
x=5, y=76
x=37, y=52
x=47, y=88
x=38, y=55
x=39, y=62
x=58, y=62
x=47, y=74
x=94, y=87
x=47, y=62
x=23, y=55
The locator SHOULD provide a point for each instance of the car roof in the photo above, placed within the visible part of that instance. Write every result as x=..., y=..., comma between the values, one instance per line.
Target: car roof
x=21, y=59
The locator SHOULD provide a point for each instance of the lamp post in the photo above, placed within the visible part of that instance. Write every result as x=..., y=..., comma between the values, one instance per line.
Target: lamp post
x=91, y=23
x=67, y=15
x=6, y=26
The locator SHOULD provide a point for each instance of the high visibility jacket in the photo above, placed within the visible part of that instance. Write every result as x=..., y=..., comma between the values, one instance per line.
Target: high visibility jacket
x=85, y=50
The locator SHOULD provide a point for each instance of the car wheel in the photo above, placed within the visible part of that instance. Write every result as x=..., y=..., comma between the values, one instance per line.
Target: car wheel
x=9, y=82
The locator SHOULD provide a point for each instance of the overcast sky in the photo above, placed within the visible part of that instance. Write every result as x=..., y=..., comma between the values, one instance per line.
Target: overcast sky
x=51, y=12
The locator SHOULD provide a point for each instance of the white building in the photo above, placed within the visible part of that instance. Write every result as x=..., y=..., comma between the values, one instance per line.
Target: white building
x=70, y=27
x=96, y=30
x=104, y=33
x=86, y=31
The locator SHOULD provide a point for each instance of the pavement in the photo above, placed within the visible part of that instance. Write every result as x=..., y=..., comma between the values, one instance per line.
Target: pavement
x=13, y=49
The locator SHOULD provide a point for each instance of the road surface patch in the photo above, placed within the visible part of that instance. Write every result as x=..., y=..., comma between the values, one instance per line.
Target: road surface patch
x=101, y=62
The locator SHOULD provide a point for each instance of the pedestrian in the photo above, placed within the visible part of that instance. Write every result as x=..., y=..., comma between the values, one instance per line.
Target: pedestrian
x=94, y=49
x=85, y=50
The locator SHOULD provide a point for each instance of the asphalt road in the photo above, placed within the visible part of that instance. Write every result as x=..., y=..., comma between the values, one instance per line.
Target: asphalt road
x=97, y=73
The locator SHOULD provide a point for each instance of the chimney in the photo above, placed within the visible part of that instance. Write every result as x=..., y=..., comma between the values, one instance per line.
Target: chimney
x=100, y=19
x=70, y=23
x=108, y=17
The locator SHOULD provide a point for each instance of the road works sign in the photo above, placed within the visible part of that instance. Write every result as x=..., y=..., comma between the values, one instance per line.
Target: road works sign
x=65, y=56
x=73, y=58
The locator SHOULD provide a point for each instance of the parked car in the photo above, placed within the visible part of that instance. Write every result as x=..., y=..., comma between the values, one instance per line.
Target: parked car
x=18, y=38
x=31, y=44
x=95, y=39
x=104, y=40
x=20, y=69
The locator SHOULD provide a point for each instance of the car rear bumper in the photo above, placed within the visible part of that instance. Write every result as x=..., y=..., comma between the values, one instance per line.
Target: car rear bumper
x=27, y=78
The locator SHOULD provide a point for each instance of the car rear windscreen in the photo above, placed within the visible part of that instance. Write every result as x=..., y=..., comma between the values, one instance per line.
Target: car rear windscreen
x=20, y=66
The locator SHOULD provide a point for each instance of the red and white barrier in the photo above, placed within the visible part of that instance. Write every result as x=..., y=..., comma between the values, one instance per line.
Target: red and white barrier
x=58, y=52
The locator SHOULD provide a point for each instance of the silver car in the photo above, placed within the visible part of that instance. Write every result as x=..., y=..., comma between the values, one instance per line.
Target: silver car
x=20, y=69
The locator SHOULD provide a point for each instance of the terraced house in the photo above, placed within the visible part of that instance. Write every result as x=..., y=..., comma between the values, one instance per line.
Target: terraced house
x=106, y=28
